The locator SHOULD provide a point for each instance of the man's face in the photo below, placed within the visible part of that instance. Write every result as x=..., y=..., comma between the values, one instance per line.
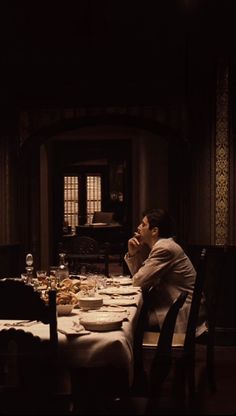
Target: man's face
x=144, y=232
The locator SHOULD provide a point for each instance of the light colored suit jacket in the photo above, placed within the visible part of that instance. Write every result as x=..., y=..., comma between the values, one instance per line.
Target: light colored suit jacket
x=168, y=271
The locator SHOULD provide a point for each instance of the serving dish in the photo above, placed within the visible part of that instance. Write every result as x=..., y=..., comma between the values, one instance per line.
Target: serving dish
x=66, y=309
x=102, y=322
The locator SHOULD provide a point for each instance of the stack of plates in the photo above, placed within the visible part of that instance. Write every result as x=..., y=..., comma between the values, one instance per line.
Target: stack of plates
x=90, y=302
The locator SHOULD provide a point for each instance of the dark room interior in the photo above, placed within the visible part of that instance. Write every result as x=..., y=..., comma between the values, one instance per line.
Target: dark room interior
x=140, y=97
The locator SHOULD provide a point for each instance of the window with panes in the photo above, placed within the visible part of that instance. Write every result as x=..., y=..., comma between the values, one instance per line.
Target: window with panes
x=78, y=189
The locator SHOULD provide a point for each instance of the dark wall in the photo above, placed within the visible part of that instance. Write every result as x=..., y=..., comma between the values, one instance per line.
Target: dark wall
x=10, y=255
x=220, y=288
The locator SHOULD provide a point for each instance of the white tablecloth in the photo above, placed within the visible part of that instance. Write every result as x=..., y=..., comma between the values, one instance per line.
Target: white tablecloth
x=97, y=349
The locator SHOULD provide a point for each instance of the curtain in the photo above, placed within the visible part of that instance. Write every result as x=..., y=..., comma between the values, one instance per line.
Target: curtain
x=9, y=233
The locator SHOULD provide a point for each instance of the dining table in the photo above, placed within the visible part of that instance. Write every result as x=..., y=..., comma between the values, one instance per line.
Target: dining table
x=97, y=357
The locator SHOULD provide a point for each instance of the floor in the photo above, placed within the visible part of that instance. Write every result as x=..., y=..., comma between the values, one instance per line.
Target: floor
x=218, y=398
x=221, y=399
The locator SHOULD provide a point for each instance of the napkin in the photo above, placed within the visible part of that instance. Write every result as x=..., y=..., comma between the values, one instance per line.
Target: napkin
x=74, y=329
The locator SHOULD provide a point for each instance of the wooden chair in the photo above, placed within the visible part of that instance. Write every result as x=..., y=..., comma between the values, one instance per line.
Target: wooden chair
x=86, y=255
x=28, y=365
x=183, y=346
x=138, y=400
x=19, y=301
x=185, y=340
x=161, y=343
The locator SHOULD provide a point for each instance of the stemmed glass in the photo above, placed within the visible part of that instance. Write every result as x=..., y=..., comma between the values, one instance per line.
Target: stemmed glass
x=29, y=268
x=53, y=276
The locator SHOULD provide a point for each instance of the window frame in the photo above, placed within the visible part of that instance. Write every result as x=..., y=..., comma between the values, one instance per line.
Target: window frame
x=82, y=175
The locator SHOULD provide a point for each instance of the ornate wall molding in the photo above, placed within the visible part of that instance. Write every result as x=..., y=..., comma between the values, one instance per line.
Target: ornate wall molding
x=222, y=161
x=33, y=120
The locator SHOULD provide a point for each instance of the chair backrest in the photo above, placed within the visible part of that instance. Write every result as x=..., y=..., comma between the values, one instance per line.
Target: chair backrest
x=167, y=331
x=86, y=255
x=160, y=346
x=101, y=216
x=19, y=301
x=163, y=341
x=85, y=246
x=28, y=364
x=189, y=343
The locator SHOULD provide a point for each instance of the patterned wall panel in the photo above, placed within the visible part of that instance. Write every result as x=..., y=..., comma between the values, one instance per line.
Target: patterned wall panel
x=222, y=168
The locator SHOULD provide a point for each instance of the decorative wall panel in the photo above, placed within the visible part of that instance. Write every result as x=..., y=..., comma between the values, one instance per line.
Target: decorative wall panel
x=222, y=159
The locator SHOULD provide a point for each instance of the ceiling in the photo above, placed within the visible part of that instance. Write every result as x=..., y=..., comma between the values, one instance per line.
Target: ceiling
x=107, y=51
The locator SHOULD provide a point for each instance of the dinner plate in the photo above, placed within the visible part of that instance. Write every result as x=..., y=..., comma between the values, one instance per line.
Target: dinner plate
x=102, y=321
x=119, y=302
x=119, y=279
x=123, y=281
x=120, y=276
x=119, y=290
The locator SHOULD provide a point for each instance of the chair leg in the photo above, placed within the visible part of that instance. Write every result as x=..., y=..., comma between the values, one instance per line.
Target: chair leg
x=179, y=387
x=210, y=359
x=190, y=387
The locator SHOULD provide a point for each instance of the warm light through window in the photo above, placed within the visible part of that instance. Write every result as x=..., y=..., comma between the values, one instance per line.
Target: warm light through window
x=92, y=194
x=71, y=207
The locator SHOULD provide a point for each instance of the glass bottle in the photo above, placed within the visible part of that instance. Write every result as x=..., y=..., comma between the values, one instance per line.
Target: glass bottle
x=29, y=260
x=63, y=270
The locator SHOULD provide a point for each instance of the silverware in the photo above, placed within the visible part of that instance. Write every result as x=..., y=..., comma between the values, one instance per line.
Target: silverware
x=20, y=323
x=116, y=309
x=113, y=306
x=74, y=332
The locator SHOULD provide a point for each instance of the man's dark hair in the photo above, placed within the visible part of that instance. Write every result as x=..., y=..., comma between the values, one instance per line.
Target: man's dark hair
x=160, y=218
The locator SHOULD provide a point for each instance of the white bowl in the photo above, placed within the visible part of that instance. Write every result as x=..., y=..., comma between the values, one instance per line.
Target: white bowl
x=90, y=302
x=64, y=309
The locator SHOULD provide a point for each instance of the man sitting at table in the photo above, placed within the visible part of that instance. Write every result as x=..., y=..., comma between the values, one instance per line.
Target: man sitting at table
x=157, y=262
